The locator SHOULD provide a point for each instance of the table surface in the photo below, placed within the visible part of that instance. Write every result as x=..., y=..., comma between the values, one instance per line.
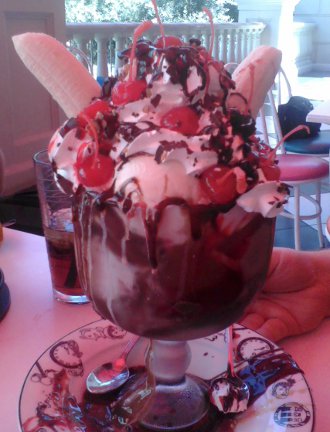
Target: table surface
x=35, y=321
x=320, y=114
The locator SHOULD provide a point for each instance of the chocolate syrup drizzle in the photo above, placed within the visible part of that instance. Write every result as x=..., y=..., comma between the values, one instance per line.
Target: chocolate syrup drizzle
x=199, y=214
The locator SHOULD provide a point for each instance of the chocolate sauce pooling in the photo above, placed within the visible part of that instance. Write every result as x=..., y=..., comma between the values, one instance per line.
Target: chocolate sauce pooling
x=97, y=413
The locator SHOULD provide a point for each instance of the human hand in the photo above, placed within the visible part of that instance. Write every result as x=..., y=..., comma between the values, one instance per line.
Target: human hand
x=296, y=295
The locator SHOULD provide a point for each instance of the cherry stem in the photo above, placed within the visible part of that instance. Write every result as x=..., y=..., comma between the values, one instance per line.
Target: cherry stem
x=272, y=154
x=161, y=27
x=143, y=27
x=210, y=16
x=94, y=135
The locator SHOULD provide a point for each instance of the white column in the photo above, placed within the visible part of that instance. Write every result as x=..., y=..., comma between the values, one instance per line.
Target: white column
x=102, y=58
x=278, y=16
x=318, y=13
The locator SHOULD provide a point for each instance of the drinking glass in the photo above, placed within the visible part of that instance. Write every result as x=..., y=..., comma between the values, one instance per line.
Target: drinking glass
x=56, y=215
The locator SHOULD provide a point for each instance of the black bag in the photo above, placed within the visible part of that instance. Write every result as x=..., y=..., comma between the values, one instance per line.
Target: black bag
x=293, y=114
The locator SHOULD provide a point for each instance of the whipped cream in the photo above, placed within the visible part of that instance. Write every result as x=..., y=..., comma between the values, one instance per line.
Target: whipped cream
x=170, y=140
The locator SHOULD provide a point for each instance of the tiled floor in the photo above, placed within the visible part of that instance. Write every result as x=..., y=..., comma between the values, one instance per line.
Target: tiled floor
x=284, y=236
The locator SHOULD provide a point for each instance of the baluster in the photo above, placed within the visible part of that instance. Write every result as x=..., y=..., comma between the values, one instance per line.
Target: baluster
x=201, y=37
x=112, y=55
x=224, y=46
x=251, y=37
x=216, y=49
x=119, y=46
x=185, y=38
x=207, y=40
x=239, y=46
x=102, y=58
x=246, y=42
x=82, y=45
x=257, y=37
x=232, y=45
x=220, y=37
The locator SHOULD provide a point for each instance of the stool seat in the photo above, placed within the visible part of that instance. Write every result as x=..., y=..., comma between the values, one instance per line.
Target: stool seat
x=316, y=145
x=295, y=167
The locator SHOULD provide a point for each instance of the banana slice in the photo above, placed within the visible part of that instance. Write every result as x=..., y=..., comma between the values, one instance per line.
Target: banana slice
x=254, y=76
x=63, y=76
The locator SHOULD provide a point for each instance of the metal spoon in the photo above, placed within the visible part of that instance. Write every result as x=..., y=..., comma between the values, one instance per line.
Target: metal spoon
x=229, y=392
x=111, y=375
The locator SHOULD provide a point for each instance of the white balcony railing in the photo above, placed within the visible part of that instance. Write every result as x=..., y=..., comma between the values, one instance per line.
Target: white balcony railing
x=101, y=41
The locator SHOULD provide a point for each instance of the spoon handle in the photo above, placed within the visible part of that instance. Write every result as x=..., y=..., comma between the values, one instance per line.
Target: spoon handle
x=130, y=344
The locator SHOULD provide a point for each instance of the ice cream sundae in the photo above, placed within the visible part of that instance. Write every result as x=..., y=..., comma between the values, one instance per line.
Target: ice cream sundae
x=175, y=195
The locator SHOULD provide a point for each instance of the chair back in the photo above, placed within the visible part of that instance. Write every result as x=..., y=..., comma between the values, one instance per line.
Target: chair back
x=275, y=95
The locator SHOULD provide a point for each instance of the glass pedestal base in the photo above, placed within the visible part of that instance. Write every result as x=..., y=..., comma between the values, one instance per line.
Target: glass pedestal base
x=177, y=407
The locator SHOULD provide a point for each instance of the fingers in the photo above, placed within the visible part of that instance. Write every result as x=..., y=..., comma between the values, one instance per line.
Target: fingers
x=272, y=328
x=252, y=321
x=290, y=271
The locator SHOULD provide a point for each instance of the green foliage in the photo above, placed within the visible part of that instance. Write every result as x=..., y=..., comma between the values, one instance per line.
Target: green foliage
x=139, y=10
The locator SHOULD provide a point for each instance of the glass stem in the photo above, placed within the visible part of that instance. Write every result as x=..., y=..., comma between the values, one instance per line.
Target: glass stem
x=179, y=401
x=168, y=360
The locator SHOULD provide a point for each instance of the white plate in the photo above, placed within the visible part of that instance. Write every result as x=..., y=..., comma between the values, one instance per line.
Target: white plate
x=286, y=405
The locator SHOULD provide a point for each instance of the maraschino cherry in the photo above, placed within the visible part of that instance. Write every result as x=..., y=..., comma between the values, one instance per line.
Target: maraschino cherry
x=93, y=171
x=96, y=106
x=219, y=184
x=168, y=41
x=181, y=119
x=131, y=90
x=92, y=168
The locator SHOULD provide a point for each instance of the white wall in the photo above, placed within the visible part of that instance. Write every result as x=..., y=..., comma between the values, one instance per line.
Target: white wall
x=28, y=115
x=317, y=12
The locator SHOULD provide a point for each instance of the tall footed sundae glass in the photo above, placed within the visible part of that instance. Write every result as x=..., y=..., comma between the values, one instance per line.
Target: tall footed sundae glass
x=175, y=200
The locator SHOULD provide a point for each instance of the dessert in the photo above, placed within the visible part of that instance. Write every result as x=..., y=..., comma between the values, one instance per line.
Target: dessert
x=174, y=202
x=174, y=194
